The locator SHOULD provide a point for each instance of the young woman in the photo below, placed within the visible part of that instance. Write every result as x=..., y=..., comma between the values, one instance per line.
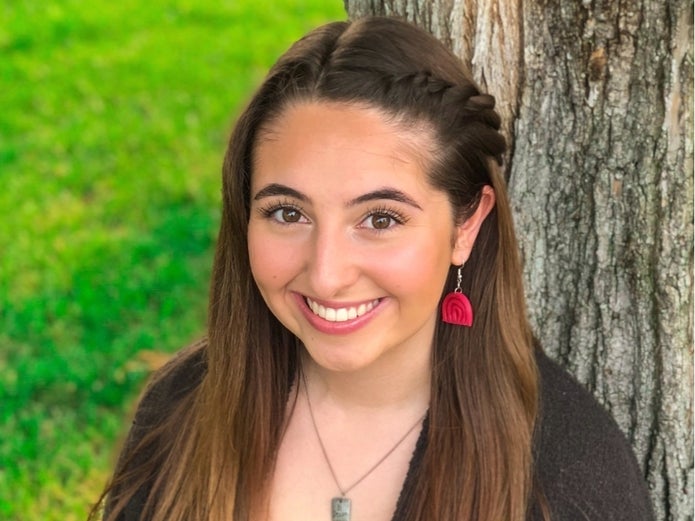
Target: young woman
x=369, y=356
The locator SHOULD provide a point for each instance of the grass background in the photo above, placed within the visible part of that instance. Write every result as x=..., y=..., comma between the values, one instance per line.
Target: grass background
x=113, y=122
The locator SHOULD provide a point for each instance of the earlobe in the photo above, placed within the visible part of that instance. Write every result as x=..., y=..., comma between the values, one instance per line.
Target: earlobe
x=467, y=232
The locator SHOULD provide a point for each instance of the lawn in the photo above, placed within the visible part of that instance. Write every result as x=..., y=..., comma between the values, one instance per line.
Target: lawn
x=113, y=122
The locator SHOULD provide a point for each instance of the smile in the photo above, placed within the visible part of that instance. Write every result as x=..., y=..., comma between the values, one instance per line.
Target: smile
x=340, y=314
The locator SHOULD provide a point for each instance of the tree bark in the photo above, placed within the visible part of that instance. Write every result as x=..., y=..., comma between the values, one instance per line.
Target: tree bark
x=597, y=97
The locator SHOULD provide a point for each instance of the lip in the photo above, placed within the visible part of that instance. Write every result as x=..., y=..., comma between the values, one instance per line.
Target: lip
x=337, y=328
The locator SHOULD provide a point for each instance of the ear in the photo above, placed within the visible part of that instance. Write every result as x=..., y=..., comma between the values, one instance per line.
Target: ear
x=467, y=231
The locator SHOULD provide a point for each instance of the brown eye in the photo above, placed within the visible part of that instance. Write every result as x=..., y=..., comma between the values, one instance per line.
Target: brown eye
x=284, y=214
x=290, y=215
x=380, y=221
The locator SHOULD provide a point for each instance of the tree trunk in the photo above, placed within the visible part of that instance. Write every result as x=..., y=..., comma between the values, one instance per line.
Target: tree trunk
x=597, y=96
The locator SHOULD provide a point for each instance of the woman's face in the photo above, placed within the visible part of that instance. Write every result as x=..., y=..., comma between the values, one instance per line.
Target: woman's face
x=349, y=244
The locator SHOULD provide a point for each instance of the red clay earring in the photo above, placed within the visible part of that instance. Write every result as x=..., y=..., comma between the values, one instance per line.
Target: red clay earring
x=456, y=308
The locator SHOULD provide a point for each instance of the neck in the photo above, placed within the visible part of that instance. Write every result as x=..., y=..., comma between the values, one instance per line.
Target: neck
x=385, y=385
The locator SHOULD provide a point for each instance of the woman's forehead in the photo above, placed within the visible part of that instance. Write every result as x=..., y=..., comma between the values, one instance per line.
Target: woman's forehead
x=338, y=134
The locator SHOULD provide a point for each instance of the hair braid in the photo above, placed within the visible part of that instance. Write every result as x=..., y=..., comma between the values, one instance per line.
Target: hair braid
x=454, y=105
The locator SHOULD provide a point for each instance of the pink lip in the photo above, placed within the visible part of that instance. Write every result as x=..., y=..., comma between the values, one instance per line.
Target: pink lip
x=335, y=328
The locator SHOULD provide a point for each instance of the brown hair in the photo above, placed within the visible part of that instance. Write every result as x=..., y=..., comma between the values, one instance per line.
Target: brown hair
x=214, y=454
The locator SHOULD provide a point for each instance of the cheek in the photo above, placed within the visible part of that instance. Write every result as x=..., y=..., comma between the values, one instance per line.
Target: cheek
x=272, y=262
x=263, y=262
x=418, y=269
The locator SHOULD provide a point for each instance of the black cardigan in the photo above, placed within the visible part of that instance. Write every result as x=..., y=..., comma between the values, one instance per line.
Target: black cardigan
x=584, y=464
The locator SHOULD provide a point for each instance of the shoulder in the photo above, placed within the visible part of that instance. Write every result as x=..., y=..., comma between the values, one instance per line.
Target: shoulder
x=174, y=381
x=584, y=463
x=144, y=447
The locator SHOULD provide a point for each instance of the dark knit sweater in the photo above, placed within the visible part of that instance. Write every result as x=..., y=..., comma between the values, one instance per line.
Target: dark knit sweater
x=583, y=462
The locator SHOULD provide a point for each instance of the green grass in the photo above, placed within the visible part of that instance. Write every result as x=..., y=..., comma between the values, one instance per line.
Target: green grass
x=113, y=121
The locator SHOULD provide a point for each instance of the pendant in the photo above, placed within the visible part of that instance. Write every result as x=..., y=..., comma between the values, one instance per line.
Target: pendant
x=340, y=509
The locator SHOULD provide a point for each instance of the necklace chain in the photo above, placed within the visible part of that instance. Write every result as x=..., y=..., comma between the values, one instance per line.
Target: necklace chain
x=344, y=491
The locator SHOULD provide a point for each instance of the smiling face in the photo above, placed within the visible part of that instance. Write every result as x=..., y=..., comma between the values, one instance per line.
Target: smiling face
x=348, y=243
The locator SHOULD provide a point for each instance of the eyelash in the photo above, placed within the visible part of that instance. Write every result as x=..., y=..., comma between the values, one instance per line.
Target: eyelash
x=270, y=209
x=398, y=218
x=395, y=216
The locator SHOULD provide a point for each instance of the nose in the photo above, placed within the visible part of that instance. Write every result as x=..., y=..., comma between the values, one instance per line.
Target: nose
x=332, y=263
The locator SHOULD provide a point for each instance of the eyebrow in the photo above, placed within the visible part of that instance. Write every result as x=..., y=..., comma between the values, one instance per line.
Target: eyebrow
x=275, y=189
x=385, y=193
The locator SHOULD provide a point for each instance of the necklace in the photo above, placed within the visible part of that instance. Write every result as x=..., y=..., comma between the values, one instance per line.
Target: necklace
x=341, y=505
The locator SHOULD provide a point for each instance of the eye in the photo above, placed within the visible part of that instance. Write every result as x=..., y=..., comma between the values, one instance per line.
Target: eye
x=287, y=215
x=283, y=214
x=379, y=221
x=382, y=220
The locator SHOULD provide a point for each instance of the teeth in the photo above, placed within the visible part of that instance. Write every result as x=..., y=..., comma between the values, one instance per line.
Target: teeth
x=340, y=314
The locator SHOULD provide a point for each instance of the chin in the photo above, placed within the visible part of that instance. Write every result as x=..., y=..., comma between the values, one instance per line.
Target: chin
x=339, y=362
